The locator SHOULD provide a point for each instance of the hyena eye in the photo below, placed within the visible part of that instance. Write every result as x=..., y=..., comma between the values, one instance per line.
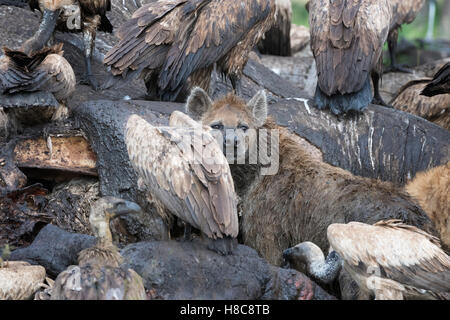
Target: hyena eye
x=217, y=126
x=243, y=128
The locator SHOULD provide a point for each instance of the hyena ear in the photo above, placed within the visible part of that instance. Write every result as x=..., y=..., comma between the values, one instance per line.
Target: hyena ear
x=258, y=106
x=198, y=103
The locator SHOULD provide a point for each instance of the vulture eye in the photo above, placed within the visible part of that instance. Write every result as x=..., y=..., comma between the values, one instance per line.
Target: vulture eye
x=217, y=126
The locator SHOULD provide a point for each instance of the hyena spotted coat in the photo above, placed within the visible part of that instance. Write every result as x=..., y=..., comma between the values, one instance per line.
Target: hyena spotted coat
x=306, y=195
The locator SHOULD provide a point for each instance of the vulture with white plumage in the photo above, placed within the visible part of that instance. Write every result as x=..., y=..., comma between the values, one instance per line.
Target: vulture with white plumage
x=389, y=260
x=347, y=38
x=173, y=45
x=185, y=174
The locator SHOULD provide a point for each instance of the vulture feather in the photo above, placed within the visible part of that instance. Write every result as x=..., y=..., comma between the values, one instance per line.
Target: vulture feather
x=100, y=274
x=86, y=16
x=392, y=259
x=435, y=109
x=440, y=84
x=186, y=174
x=44, y=70
x=173, y=45
x=277, y=41
x=347, y=38
x=389, y=260
x=403, y=11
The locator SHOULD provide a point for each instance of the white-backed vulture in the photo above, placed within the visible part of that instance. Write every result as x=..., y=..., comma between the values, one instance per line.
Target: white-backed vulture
x=403, y=11
x=277, y=40
x=99, y=274
x=167, y=42
x=389, y=260
x=440, y=83
x=347, y=38
x=85, y=16
x=186, y=175
x=435, y=109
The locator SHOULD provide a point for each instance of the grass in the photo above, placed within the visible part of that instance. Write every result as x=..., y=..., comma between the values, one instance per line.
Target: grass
x=416, y=30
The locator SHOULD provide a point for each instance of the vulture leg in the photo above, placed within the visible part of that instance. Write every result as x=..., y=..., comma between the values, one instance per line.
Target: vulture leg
x=44, y=33
x=222, y=246
x=187, y=232
x=89, y=33
x=237, y=84
x=377, y=99
x=392, y=44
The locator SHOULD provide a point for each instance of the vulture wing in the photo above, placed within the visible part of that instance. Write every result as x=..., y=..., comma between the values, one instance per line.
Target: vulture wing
x=410, y=100
x=397, y=251
x=93, y=283
x=46, y=71
x=208, y=36
x=440, y=83
x=347, y=38
x=185, y=169
x=146, y=37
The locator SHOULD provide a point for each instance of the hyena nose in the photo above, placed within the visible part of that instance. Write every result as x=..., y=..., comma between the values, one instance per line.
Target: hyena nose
x=231, y=140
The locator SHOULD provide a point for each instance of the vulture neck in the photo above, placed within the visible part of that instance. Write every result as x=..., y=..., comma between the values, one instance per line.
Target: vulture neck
x=323, y=270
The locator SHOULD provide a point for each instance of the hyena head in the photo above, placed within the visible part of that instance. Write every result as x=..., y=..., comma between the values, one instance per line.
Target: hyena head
x=234, y=121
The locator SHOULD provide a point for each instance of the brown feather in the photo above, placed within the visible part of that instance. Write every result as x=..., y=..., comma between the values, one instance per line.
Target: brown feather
x=435, y=109
x=184, y=184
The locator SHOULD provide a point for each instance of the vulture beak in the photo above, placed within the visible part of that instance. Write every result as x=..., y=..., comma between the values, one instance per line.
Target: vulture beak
x=288, y=253
x=125, y=207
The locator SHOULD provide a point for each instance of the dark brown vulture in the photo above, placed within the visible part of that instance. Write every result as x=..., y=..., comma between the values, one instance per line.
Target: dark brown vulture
x=185, y=173
x=347, y=38
x=86, y=16
x=440, y=83
x=435, y=109
x=44, y=70
x=403, y=11
x=168, y=42
x=277, y=41
x=100, y=274
x=389, y=260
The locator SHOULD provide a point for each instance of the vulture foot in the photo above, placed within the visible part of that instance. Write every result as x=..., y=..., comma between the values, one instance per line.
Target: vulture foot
x=397, y=68
x=90, y=81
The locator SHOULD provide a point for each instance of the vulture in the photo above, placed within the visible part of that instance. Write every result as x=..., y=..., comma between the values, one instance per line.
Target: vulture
x=389, y=260
x=100, y=274
x=42, y=70
x=440, y=83
x=86, y=16
x=435, y=109
x=185, y=174
x=277, y=41
x=403, y=11
x=174, y=44
x=347, y=38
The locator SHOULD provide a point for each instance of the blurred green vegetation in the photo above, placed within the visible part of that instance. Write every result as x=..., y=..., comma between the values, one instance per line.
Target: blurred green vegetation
x=416, y=30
